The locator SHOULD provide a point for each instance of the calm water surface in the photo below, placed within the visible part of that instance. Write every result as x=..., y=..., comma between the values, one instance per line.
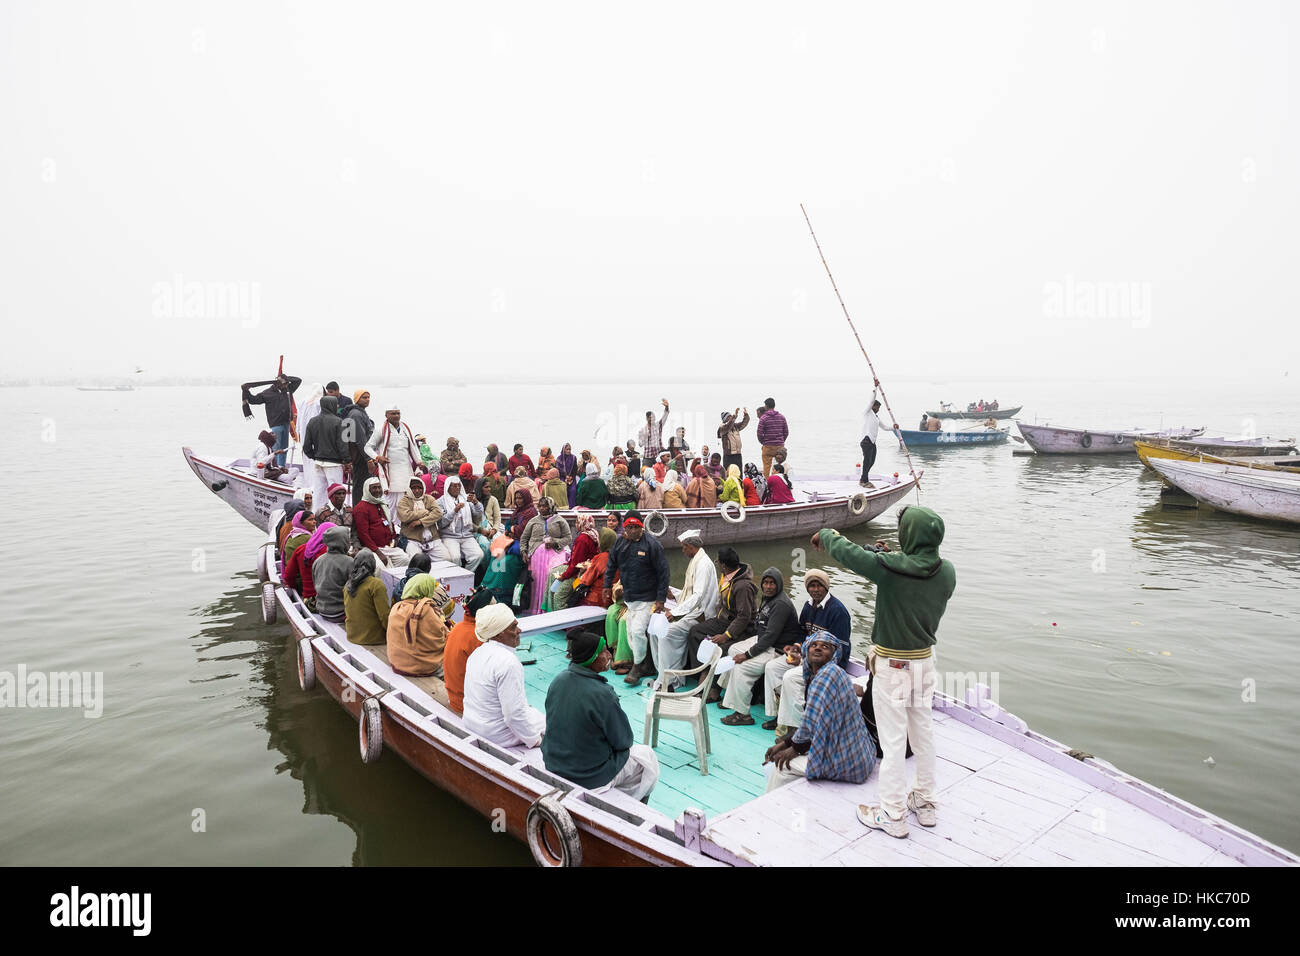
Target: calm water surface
x=1112, y=623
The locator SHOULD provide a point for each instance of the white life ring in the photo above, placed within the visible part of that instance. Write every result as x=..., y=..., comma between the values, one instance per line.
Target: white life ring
x=652, y=531
x=858, y=503
x=370, y=730
x=726, y=515
x=268, y=603
x=551, y=833
x=306, y=665
x=262, y=574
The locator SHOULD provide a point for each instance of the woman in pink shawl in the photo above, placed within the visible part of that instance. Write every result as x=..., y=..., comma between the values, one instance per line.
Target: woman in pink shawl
x=315, y=545
x=545, y=544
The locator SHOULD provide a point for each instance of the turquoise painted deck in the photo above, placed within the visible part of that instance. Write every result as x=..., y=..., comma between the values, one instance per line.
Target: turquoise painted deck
x=735, y=765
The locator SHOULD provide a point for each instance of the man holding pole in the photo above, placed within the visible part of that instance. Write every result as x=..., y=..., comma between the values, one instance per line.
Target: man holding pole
x=870, y=429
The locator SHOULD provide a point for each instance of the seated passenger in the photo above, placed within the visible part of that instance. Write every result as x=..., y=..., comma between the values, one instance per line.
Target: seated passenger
x=731, y=490
x=417, y=628
x=452, y=458
x=832, y=743
x=461, y=515
x=650, y=494
x=777, y=627
x=592, y=491
x=783, y=675
x=496, y=707
x=371, y=520
x=696, y=601
x=588, y=736
x=504, y=570
x=674, y=493
x=737, y=604
x=778, y=487
x=330, y=572
x=419, y=564
x=419, y=514
x=365, y=602
x=297, y=570
x=620, y=490
x=461, y=643
x=261, y=463
x=701, y=492
x=336, y=509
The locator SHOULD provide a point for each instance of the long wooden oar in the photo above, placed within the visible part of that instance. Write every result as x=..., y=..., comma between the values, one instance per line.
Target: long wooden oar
x=874, y=377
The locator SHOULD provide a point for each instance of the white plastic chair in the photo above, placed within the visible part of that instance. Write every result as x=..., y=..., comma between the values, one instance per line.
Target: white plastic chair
x=684, y=705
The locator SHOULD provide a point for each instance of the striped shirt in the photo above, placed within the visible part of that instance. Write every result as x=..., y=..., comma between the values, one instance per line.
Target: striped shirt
x=772, y=429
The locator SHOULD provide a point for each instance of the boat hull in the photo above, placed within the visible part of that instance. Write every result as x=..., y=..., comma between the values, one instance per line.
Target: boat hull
x=942, y=439
x=257, y=499
x=1050, y=440
x=1209, y=451
x=1000, y=414
x=1239, y=490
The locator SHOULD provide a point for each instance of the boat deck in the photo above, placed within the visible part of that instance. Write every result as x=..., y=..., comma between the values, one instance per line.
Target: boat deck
x=735, y=765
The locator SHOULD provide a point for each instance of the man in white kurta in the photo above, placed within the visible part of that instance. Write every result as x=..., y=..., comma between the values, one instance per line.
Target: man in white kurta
x=495, y=705
x=394, y=449
x=698, y=600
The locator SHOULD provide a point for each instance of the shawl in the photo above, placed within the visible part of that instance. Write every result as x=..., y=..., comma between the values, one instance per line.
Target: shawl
x=316, y=543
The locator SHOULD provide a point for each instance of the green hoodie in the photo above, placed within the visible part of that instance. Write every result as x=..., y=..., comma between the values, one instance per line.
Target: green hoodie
x=912, y=587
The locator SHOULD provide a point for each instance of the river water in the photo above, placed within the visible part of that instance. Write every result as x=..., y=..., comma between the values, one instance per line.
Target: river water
x=1159, y=639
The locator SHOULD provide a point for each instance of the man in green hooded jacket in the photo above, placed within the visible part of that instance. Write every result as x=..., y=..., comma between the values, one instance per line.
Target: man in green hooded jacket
x=912, y=591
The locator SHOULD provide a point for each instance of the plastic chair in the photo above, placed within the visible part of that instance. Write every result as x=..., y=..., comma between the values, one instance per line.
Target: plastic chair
x=684, y=705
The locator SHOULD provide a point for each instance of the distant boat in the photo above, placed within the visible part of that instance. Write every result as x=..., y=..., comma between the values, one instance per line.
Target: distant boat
x=1236, y=489
x=946, y=412
x=1050, y=440
x=942, y=439
x=106, y=388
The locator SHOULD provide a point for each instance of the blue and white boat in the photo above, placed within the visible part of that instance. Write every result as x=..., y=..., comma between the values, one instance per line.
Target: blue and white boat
x=973, y=436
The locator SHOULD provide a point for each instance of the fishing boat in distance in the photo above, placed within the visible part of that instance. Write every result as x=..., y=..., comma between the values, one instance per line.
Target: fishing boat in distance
x=106, y=388
x=1236, y=489
x=1052, y=440
x=828, y=501
x=954, y=438
x=946, y=411
x=1008, y=795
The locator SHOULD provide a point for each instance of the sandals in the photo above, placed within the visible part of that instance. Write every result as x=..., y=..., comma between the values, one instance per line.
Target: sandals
x=622, y=667
x=738, y=720
x=769, y=724
x=715, y=696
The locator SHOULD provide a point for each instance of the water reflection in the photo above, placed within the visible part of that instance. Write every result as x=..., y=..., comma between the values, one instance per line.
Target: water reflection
x=398, y=817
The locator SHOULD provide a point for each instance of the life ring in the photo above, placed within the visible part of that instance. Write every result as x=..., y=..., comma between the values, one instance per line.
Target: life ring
x=653, y=533
x=552, y=835
x=370, y=730
x=306, y=665
x=262, y=574
x=268, y=603
x=1085, y=440
x=1119, y=439
x=726, y=516
x=858, y=504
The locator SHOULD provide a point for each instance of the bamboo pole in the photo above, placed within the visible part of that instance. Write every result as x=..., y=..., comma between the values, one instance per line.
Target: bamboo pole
x=874, y=377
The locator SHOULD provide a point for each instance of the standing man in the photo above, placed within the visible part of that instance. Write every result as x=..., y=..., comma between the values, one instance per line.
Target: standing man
x=912, y=592
x=357, y=429
x=870, y=429
x=697, y=600
x=323, y=443
x=783, y=674
x=651, y=436
x=279, y=407
x=332, y=388
x=729, y=432
x=641, y=565
x=588, y=736
x=772, y=432
x=395, y=451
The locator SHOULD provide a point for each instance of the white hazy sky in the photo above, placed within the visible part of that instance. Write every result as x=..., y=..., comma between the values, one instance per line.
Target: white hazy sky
x=406, y=189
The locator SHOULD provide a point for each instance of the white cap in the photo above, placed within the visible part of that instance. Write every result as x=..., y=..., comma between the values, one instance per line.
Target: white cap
x=687, y=535
x=393, y=407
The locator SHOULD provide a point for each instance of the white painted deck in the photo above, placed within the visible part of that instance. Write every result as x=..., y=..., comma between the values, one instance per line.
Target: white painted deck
x=998, y=806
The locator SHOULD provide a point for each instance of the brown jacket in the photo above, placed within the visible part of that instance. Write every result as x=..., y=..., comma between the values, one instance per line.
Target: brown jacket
x=675, y=497
x=702, y=493
x=417, y=638
x=730, y=431
x=413, y=525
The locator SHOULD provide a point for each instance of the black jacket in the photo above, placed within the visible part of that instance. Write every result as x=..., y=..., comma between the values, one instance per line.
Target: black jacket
x=642, y=568
x=324, y=438
x=776, y=622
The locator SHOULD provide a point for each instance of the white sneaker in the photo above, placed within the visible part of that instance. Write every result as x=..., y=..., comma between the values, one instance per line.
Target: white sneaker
x=924, y=810
x=878, y=819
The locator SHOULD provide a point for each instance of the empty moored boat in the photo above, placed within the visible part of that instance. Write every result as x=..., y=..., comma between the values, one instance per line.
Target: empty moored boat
x=1052, y=440
x=1237, y=489
x=1230, y=454
x=1008, y=796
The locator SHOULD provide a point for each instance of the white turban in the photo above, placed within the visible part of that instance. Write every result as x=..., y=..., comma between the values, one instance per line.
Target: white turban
x=492, y=620
x=688, y=535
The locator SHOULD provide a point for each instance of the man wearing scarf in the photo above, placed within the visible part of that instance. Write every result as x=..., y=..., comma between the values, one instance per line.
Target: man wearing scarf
x=495, y=455
x=697, y=600
x=394, y=449
x=461, y=514
x=419, y=514
x=912, y=592
x=372, y=520
x=832, y=743
x=357, y=429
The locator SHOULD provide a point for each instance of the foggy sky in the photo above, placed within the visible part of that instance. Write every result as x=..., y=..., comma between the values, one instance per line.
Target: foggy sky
x=410, y=189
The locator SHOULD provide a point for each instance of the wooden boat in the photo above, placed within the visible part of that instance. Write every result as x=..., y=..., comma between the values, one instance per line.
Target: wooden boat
x=1000, y=413
x=821, y=502
x=1051, y=440
x=1217, y=453
x=948, y=439
x=1008, y=796
x=1225, y=447
x=106, y=388
x=1237, y=489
